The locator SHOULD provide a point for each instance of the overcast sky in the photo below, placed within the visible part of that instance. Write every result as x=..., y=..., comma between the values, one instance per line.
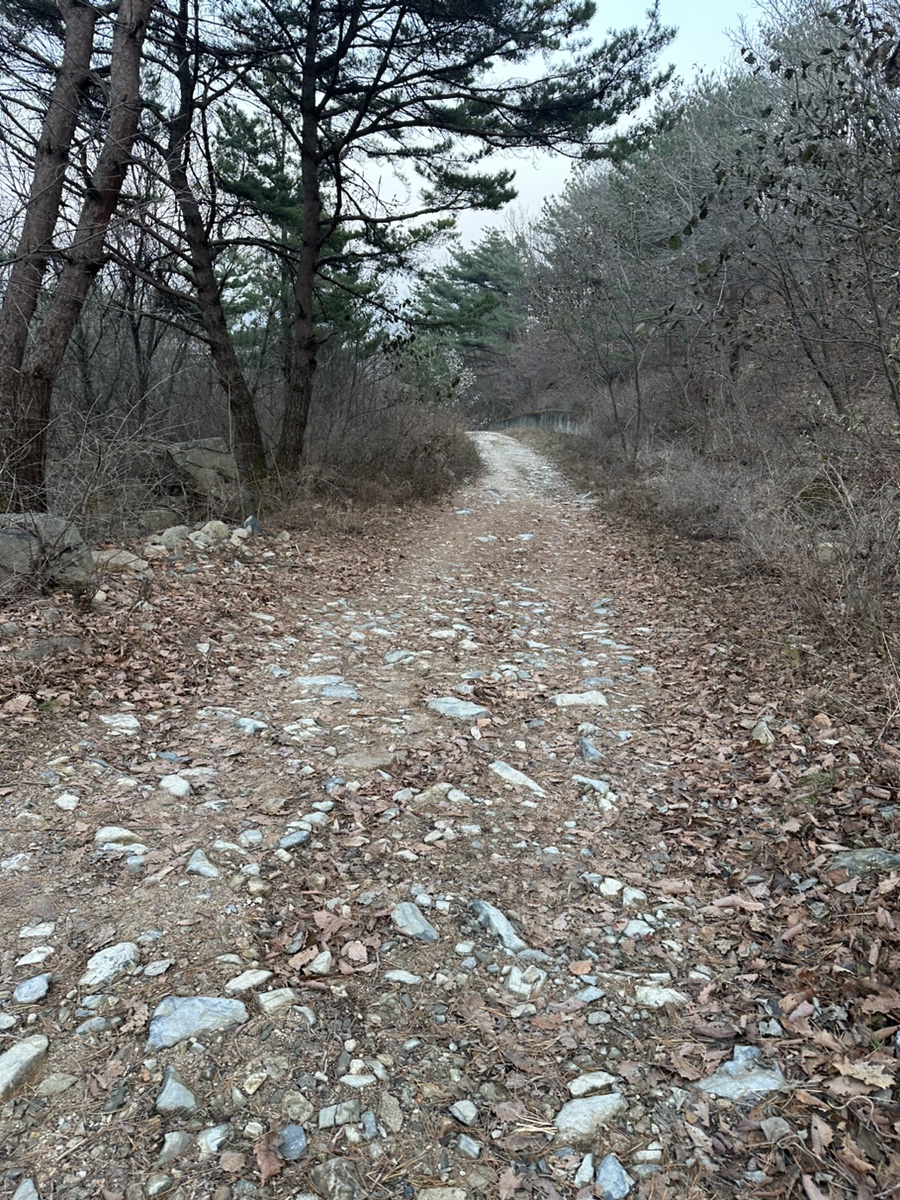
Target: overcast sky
x=702, y=42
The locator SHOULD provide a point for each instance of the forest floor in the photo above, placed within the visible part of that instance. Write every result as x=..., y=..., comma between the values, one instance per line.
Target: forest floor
x=537, y=858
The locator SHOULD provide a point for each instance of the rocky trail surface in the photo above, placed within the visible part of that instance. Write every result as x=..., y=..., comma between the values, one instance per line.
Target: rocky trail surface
x=463, y=860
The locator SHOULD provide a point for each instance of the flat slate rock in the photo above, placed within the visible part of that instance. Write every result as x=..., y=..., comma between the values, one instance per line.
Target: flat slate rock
x=338, y=1179
x=462, y=710
x=591, y=699
x=408, y=918
x=741, y=1078
x=581, y=1120
x=108, y=964
x=19, y=1063
x=178, y=1018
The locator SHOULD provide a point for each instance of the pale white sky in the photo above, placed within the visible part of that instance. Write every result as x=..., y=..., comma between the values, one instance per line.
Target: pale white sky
x=702, y=42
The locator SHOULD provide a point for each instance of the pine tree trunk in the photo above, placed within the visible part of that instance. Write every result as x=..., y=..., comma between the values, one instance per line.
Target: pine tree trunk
x=85, y=255
x=247, y=439
x=32, y=253
x=299, y=392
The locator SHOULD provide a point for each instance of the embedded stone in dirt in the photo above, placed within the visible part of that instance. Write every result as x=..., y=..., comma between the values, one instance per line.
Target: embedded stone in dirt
x=337, y=1179
x=580, y=1120
x=461, y=710
x=108, y=964
x=19, y=1063
x=409, y=920
x=579, y=700
x=178, y=1018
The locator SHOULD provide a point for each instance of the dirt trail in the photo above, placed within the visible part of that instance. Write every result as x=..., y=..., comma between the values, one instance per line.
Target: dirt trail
x=441, y=884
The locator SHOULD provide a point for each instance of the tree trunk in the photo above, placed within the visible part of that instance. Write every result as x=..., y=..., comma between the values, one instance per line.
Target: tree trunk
x=298, y=396
x=247, y=439
x=85, y=255
x=42, y=208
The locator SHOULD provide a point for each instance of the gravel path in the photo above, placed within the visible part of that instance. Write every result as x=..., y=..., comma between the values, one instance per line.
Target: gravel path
x=387, y=914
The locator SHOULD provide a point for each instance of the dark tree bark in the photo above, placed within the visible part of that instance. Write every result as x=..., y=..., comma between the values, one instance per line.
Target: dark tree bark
x=247, y=439
x=84, y=256
x=42, y=210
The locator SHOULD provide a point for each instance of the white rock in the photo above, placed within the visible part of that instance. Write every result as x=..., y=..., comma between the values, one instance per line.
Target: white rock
x=116, y=837
x=650, y=996
x=525, y=983
x=211, y=1140
x=581, y=1120
x=121, y=723
x=494, y=920
x=247, y=980
x=517, y=778
x=275, y=1002
x=199, y=864
x=579, y=700
x=43, y=930
x=67, y=801
x=461, y=710
x=320, y=965
x=175, y=785
x=19, y=1063
x=118, y=560
x=108, y=964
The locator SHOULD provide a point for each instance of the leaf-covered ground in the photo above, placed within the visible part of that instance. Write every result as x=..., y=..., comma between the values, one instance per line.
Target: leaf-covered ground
x=689, y=873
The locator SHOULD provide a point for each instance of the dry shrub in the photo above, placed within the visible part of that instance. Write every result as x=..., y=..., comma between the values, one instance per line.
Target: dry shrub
x=371, y=440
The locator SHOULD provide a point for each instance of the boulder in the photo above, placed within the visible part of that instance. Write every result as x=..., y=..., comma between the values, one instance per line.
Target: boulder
x=208, y=464
x=47, y=550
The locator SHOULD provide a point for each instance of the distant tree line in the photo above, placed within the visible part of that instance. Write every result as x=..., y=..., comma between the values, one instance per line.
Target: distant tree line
x=204, y=203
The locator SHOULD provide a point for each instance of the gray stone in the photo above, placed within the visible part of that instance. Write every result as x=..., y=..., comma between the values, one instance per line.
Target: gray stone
x=408, y=919
x=585, y=1173
x=250, y=726
x=741, y=1079
x=871, y=858
x=464, y=1111
x=775, y=1128
x=247, y=981
x=468, y=1146
x=157, y=1183
x=338, y=1179
x=651, y=996
x=525, y=983
x=581, y=1120
x=199, y=864
x=175, y=1099
x=19, y=1063
x=315, y=683
x=211, y=1139
x=460, y=710
x=441, y=1193
x=589, y=751
x=118, y=560
x=293, y=1143
x=612, y=1181
x=174, y=1144
x=178, y=1018
x=406, y=977
x=108, y=964
x=176, y=785
x=590, y=699
x=49, y=550
x=26, y=1191
x=122, y=724
x=115, y=837
x=56, y=1084
x=517, y=778
x=207, y=464
x=494, y=920
x=339, y=691
x=29, y=991
x=590, y=994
